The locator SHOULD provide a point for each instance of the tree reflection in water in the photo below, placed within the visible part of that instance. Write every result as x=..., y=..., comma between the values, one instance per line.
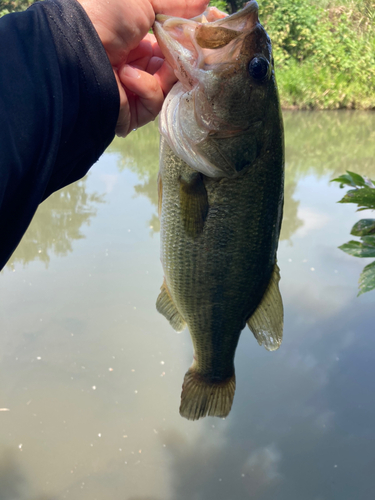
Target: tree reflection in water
x=329, y=143
x=139, y=153
x=58, y=223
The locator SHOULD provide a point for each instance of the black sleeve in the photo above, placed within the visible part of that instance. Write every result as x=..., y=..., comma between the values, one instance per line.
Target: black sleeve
x=59, y=105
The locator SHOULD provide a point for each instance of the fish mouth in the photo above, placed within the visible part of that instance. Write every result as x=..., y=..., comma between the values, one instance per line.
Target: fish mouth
x=175, y=37
x=193, y=46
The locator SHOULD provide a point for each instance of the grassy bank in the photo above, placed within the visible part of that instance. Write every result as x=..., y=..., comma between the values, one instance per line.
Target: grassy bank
x=324, y=50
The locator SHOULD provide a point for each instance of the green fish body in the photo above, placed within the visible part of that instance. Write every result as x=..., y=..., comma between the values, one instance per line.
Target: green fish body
x=220, y=199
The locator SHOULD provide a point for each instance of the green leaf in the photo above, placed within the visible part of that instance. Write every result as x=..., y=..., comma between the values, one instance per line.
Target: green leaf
x=351, y=179
x=363, y=227
x=344, y=179
x=358, y=249
x=367, y=279
x=368, y=240
x=363, y=197
x=357, y=179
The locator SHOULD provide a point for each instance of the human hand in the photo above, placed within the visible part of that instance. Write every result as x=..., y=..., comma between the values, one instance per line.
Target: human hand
x=143, y=76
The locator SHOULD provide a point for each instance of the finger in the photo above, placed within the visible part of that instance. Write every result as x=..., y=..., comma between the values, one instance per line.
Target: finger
x=140, y=114
x=166, y=77
x=154, y=64
x=144, y=49
x=141, y=63
x=123, y=122
x=143, y=55
x=157, y=51
x=179, y=8
x=151, y=39
x=213, y=13
x=148, y=95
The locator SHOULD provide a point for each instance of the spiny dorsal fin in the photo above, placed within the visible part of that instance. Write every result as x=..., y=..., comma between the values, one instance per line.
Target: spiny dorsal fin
x=267, y=321
x=194, y=204
x=166, y=307
x=200, y=397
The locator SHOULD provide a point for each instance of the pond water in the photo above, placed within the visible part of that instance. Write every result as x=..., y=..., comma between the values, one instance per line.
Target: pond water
x=91, y=374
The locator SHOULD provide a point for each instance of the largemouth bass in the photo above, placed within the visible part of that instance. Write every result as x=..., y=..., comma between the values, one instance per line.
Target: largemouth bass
x=220, y=196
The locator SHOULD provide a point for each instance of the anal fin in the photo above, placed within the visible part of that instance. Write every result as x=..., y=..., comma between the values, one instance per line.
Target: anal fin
x=267, y=321
x=166, y=307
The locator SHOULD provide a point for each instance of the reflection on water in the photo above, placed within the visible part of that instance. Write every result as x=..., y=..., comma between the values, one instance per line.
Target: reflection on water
x=291, y=221
x=140, y=153
x=202, y=471
x=13, y=484
x=329, y=143
x=59, y=222
x=91, y=373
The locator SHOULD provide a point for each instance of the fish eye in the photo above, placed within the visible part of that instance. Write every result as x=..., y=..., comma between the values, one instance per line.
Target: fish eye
x=258, y=67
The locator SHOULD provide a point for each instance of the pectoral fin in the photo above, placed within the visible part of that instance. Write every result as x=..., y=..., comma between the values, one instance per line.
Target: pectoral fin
x=194, y=204
x=267, y=321
x=166, y=307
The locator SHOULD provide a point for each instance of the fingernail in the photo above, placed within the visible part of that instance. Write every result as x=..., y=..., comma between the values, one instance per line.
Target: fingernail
x=130, y=71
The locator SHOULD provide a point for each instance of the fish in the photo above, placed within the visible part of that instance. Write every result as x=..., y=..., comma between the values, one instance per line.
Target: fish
x=220, y=189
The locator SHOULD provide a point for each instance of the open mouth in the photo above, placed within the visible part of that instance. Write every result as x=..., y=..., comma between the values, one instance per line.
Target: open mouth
x=192, y=45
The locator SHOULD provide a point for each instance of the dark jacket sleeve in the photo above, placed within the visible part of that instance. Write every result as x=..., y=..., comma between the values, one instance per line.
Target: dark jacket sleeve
x=59, y=105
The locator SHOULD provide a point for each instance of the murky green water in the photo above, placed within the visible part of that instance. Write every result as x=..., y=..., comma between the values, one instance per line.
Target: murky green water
x=90, y=373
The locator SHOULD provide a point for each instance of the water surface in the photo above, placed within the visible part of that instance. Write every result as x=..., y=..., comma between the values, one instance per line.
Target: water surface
x=90, y=373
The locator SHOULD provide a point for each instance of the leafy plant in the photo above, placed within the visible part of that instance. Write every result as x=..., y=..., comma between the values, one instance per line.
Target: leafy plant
x=324, y=51
x=8, y=6
x=362, y=195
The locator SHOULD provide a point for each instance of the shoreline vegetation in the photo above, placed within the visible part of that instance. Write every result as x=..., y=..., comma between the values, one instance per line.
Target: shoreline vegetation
x=324, y=51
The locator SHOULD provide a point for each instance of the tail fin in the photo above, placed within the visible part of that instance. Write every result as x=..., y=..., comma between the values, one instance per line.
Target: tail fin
x=200, y=398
